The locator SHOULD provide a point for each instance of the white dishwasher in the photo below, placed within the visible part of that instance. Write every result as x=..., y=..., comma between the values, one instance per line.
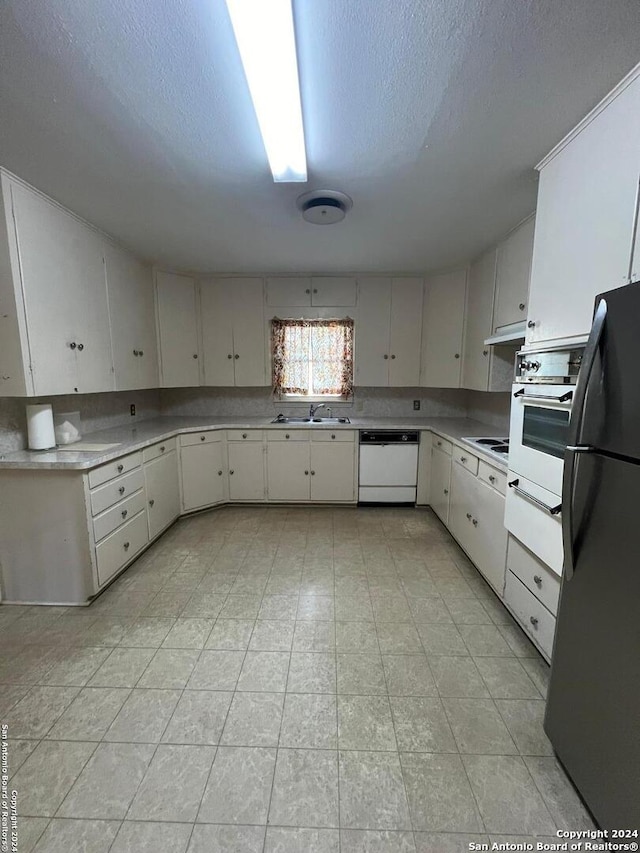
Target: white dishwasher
x=388, y=466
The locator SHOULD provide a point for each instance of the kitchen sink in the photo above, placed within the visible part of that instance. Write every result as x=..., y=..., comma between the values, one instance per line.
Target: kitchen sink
x=281, y=419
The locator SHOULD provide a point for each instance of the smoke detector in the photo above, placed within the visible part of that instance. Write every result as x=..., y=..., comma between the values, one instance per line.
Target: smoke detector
x=324, y=207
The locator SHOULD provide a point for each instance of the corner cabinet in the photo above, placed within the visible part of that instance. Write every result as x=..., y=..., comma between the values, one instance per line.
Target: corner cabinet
x=587, y=205
x=177, y=327
x=442, y=330
x=203, y=470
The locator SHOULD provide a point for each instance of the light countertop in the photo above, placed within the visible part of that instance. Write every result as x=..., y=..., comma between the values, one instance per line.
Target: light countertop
x=142, y=434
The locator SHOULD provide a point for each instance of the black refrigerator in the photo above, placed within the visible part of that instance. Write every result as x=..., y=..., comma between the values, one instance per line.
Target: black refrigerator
x=593, y=706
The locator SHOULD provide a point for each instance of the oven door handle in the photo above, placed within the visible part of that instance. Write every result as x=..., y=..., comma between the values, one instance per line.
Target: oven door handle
x=564, y=398
x=552, y=510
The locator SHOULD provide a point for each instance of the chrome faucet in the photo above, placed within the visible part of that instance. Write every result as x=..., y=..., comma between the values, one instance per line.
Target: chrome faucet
x=313, y=409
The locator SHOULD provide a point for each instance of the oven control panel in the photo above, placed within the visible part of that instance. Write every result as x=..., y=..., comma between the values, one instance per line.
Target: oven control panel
x=554, y=367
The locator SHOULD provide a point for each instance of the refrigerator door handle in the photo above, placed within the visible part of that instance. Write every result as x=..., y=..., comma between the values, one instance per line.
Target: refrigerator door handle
x=584, y=376
x=568, y=487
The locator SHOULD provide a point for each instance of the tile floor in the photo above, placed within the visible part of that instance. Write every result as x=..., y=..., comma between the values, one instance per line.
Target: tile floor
x=282, y=679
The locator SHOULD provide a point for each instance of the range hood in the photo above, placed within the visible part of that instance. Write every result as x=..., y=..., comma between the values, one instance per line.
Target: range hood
x=513, y=334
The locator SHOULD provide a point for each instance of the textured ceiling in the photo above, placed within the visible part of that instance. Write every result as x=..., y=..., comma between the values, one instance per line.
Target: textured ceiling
x=429, y=113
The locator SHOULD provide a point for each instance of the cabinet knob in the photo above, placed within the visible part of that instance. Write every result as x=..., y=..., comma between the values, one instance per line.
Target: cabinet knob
x=533, y=620
x=531, y=324
x=236, y=356
x=120, y=467
x=313, y=473
x=229, y=356
x=315, y=289
x=121, y=490
x=244, y=435
x=219, y=473
x=522, y=306
x=141, y=352
x=306, y=473
x=307, y=290
x=126, y=546
x=124, y=513
x=287, y=435
x=469, y=516
x=195, y=355
x=151, y=502
x=446, y=491
x=463, y=458
x=162, y=449
x=492, y=479
x=439, y=443
x=457, y=355
x=393, y=356
x=80, y=347
x=333, y=435
x=385, y=356
x=135, y=352
x=73, y=345
x=202, y=438
x=231, y=471
x=485, y=352
x=537, y=580
x=475, y=522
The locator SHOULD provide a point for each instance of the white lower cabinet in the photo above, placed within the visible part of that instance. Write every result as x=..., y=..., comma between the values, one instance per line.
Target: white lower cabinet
x=245, y=452
x=333, y=469
x=288, y=470
x=161, y=484
x=119, y=548
x=440, y=478
x=203, y=471
x=318, y=466
x=532, y=615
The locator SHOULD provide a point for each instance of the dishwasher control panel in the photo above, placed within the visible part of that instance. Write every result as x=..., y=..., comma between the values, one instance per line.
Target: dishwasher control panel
x=389, y=436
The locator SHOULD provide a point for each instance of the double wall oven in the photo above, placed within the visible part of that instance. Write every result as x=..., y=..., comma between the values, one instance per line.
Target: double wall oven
x=543, y=393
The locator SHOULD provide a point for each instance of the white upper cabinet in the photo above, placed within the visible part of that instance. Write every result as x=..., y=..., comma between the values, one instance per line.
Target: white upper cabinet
x=512, y=276
x=388, y=331
x=233, y=331
x=177, y=326
x=442, y=328
x=61, y=271
x=585, y=218
x=306, y=291
x=478, y=321
x=133, y=332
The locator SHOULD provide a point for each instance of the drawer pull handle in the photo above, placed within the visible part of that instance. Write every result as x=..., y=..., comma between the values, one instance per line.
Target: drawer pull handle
x=151, y=502
x=469, y=516
x=563, y=398
x=244, y=435
x=125, y=513
x=533, y=620
x=287, y=435
x=492, y=479
x=475, y=522
x=219, y=473
x=121, y=490
x=126, y=546
x=202, y=437
x=162, y=449
x=552, y=510
x=120, y=468
x=537, y=580
x=333, y=435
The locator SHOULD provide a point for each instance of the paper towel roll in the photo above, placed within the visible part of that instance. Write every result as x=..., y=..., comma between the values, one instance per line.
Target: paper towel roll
x=40, y=427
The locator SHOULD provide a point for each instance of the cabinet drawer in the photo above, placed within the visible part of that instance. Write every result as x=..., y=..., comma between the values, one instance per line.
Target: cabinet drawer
x=244, y=435
x=338, y=435
x=491, y=475
x=118, y=549
x=466, y=459
x=159, y=449
x=288, y=435
x=542, y=582
x=534, y=617
x=112, y=518
x=200, y=438
x=533, y=525
x=107, y=472
x=113, y=492
x=442, y=444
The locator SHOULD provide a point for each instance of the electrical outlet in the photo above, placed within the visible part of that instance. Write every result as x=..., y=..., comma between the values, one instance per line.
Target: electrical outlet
x=416, y=405
x=133, y=410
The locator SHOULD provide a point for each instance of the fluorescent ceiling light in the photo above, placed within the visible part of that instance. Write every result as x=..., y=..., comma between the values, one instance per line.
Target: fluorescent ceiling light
x=266, y=41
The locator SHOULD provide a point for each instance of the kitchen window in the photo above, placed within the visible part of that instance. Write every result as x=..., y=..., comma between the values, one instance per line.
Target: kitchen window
x=312, y=358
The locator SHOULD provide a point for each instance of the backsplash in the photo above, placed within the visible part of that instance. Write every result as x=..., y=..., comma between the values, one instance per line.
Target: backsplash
x=97, y=411
x=110, y=409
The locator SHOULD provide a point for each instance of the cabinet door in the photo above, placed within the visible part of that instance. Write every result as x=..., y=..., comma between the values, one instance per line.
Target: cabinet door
x=443, y=323
x=203, y=474
x=512, y=276
x=490, y=547
x=332, y=471
x=461, y=506
x=217, y=312
x=177, y=330
x=371, y=332
x=406, y=332
x=246, y=471
x=440, y=484
x=289, y=291
x=130, y=291
x=584, y=220
x=288, y=470
x=63, y=282
x=478, y=322
x=163, y=499
x=331, y=290
x=249, y=332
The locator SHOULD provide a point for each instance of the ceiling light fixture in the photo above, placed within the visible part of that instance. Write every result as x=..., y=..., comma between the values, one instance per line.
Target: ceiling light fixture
x=266, y=40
